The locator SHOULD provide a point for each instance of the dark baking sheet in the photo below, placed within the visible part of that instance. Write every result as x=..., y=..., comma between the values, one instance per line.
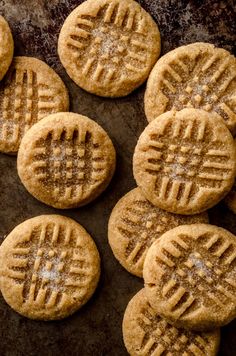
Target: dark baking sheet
x=96, y=329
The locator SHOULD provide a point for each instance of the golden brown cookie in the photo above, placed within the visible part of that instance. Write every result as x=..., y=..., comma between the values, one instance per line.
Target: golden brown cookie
x=185, y=161
x=147, y=333
x=108, y=47
x=135, y=224
x=6, y=47
x=49, y=267
x=66, y=160
x=190, y=274
x=30, y=91
x=198, y=76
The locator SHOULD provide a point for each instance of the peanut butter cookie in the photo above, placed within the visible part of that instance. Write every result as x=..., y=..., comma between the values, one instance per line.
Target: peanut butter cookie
x=189, y=276
x=108, y=47
x=135, y=224
x=66, y=160
x=30, y=91
x=185, y=161
x=147, y=333
x=49, y=267
x=198, y=76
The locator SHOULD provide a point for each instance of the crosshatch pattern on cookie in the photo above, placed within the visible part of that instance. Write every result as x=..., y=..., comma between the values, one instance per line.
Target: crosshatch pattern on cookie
x=148, y=334
x=51, y=265
x=198, y=272
x=185, y=158
x=23, y=101
x=141, y=227
x=206, y=82
x=110, y=45
x=70, y=162
x=160, y=337
x=142, y=223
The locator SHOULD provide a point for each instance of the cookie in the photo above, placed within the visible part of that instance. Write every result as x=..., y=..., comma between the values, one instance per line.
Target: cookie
x=135, y=224
x=185, y=161
x=108, y=47
x=30, y=91
x=66, y=160
x=198, y=76
x=189, y=276
x=49, y=267
x=147, y=333
x=6, y=47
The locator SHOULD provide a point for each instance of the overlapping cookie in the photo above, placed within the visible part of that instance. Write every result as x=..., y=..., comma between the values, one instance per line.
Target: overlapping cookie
x=185, y=161
x=147, y=333
x=49, y=267
x=30, y=91
x=108, y=47
x=189, y=276
x=135, y=224
x=66, y=160
x=199, y=76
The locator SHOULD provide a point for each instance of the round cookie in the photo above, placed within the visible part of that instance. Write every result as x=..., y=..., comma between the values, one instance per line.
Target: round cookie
x=189, y=276
x=198, y=75
x=49, y=267
x=185, y=161
x=135, y=224
x=66, y=160
x=30, y=91
x=108, y=47
x=147, y=333
x=6, y=47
